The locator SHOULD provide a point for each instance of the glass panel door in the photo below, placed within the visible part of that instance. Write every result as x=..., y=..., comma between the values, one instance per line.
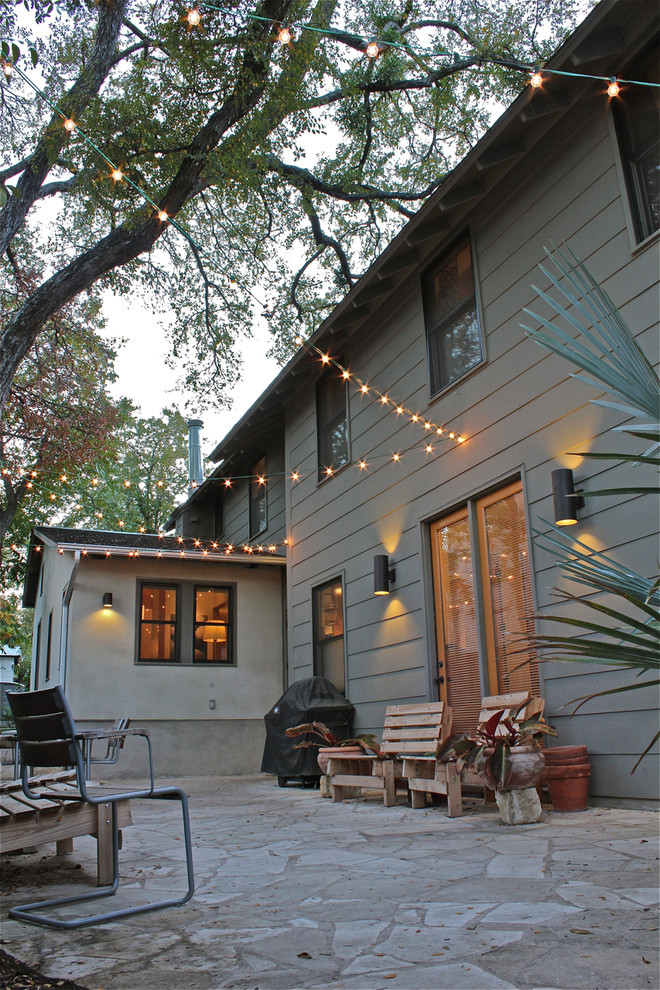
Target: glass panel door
x=459, y=680
x=499, y=616
x=507, y=590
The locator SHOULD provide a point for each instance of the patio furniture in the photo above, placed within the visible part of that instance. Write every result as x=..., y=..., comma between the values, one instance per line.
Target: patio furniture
x=114, y=746
x=410, y=733
x=58, y=818
x=48, y=737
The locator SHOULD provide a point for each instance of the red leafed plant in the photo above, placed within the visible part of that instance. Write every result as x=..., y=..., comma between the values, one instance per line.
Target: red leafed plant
x=325, y=737
x=488, y=749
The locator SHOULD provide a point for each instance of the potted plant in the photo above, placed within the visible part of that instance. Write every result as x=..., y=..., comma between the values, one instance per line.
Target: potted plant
x=327, y=741
x=506, y=757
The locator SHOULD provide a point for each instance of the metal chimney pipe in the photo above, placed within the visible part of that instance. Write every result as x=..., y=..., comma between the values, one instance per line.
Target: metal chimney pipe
x=195, y=473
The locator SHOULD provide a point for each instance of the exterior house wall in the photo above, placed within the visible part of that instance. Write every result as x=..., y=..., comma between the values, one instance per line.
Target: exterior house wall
x=104, y=680
x=522, y=413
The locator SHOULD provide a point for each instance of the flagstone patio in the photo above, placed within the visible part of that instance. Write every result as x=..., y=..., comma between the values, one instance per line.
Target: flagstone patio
x=296, y=892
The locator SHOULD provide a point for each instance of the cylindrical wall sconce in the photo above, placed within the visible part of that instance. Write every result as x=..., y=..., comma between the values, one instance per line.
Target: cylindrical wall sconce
x=107, y=599
x=383, y=574
x=565, y=499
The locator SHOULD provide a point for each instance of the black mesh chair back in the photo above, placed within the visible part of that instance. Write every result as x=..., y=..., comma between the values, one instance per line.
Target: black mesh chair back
x=48, y=737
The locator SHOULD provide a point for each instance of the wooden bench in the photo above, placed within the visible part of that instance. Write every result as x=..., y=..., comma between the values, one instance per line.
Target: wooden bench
x=31, y=822
x=410, y=732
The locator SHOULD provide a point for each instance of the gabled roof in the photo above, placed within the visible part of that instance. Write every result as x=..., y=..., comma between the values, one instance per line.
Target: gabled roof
x=599, y=46
x=104, y=543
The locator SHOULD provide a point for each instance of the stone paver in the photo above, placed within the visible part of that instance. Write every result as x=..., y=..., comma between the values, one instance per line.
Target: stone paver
x=296, y=892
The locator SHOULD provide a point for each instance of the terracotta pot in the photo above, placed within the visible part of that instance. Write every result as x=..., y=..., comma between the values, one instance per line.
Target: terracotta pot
x=325, y=752
x=527, y=769
x=557, y=754
x=568, y=787
x=569, y=761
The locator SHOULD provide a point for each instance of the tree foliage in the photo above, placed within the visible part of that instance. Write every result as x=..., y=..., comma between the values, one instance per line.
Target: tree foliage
x=136, y=487
x=283, y=169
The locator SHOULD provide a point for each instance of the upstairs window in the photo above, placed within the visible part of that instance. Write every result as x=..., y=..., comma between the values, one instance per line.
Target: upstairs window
x=331, y=423
x=258, y=506
x=637, y=116
x=452, y=323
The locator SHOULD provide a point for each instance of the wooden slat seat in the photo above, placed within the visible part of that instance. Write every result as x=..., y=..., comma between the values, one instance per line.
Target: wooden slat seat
x=410, y=733
x=57, y=818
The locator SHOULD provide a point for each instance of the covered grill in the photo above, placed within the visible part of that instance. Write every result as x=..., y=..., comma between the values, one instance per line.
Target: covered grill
x=314, y=699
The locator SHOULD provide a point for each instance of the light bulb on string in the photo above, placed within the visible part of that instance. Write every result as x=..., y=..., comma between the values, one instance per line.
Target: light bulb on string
x=162, y=216
x=372, y=50
x=536, y=79
x=284, y=35
x=117, y=175
x=8, y=69
x=193, y=17
x=613, y=88
x=69, y=125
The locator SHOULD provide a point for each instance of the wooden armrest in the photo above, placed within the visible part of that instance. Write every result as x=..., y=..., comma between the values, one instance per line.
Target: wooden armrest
x=111, y=733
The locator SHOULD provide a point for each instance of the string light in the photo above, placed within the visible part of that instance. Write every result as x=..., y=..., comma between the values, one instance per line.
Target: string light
x=284, y=35
x=536, y=79
x=69, y=125
x=613, y=88
x=162, y=216
x=8, y=69
x=193, y=17
x=372, y=50
x=116, y=175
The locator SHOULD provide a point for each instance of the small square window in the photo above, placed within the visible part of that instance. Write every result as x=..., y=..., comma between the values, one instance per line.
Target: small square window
x=452, y=322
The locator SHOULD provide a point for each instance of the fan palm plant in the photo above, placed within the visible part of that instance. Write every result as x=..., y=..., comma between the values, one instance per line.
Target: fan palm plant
x=624, y=631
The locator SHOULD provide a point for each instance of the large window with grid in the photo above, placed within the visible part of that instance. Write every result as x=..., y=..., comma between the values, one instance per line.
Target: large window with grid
x=186, y=623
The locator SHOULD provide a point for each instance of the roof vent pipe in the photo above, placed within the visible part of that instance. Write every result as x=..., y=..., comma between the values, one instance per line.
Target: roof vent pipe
x=195, y=474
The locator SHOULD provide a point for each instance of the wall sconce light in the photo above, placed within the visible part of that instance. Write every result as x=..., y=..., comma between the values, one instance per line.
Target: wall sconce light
x=107, y=599
x=565, y=498
x=384, y=575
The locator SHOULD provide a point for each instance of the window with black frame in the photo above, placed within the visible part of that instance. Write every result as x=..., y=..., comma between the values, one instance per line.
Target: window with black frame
x=452, y=322
x=213, y=625
x=257, y=497
x=158, y=622
x=637, y=117
x=328, y=607
x=331, y=422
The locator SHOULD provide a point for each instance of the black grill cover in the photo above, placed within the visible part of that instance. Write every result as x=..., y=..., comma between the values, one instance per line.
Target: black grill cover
x=314, y=699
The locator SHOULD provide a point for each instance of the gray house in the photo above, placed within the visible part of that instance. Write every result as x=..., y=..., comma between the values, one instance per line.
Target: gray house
x=420, y=424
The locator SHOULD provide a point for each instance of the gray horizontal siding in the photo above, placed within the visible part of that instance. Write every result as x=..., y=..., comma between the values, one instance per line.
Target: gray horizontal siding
x=521, y=411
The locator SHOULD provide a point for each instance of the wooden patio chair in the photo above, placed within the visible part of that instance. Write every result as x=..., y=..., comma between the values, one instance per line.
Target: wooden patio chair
x=411, y=732
x=48, y=737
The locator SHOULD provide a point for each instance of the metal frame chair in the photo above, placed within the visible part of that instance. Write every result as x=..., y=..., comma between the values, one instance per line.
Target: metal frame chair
x=47, y=737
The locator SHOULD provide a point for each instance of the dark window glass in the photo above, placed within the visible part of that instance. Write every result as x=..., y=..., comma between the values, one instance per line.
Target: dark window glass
x=258, y=493
x=48, y=645
x=158, y=622
x=213, y=625
x=331, y=422
x=452, y=323
x=219, y=518
x=637, y=114
x=327, y=602
x=37, y=658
